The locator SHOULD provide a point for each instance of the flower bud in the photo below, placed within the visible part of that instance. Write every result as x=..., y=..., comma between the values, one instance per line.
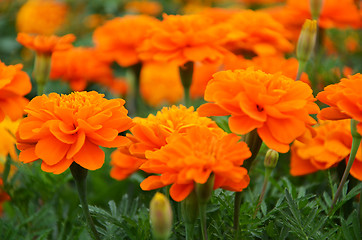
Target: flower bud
x=315, y=8
x=306, y=41
x=271, y=158
x=160, y=216
x=204, y=191
x=190, y=208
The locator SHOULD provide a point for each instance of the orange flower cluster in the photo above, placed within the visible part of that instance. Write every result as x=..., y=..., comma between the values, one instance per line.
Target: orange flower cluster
x=79, y=66
x=277, y=106
x=120, y=38
x=14, y=84
x=192, y=157
x=41, y=16
x=331, y=144
x=180, y=39
x=344, y=99
x=257, y=32
x=151, y=134
x=62, y=129
x=46, y=44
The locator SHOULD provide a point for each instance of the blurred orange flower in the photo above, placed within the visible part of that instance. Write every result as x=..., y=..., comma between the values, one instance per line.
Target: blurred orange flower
x=14, y=84
x=180, y=39
x=150, y=134
x=120, y=38
x=192, y=157
x=160, y=83
x=79, y=65
x=277, y=106
x=62, y=129
x=41, y=16
x=332, y=144
x=257, y=32
x=344, y=99
x=46, y=44
x=8, y=141
x=152, y=8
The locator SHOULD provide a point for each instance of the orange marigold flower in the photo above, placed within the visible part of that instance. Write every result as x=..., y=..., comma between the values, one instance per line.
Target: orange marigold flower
x=14, y=84
x=8, y=141
x=180, y=39
x=152, y=8
x=257, y=32
x=120, y=37
x=41, y=16
x=331, y=144
x=277, y=106
x=150, y=134
x=344, y=99
x=191, y=157
x=79, y=65
x=62, y=129
x=46, y=44
x=160, y=83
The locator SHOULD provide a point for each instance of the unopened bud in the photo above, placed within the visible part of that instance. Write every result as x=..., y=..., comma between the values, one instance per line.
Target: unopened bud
x=271, y=158
x=160, y=216
x=315, y=8
x=190, y=208
x=306, y=41
x=204, y=191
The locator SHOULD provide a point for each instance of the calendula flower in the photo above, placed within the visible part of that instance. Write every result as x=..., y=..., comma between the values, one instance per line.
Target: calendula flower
x=192, y=157
x=8, y=141
x=43, y=44
x=344, y=99
x=160, y=83
x=79, y=66
x=120, y=38
x=62, y=129
x=180, y=39
x=331, y=145
x=277, y=106
x=257, y=32
x=14, y=85
x=41, y=16
x=150, y=134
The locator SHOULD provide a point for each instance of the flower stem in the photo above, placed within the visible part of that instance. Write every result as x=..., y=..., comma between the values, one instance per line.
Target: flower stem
x=41, y=71
x=301, y=69
x=189, y=231
x=202, y=209
x=355, y=145
x=360, y=208
x=80, y=176
x=265, y=184
x=186, y=73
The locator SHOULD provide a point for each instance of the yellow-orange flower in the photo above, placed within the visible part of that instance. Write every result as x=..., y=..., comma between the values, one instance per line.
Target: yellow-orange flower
x=191, y=157
x=277, y=106
x=150, y=134
x=160, y=83
x=8, y=141
x=344, y=99
x=331, y=144
x=41, y=16
x=79, y=65
x=180, y=39
x=14, y=84
x=62, y=129
x=257, y=32
x=43, y=44
x=120, y=37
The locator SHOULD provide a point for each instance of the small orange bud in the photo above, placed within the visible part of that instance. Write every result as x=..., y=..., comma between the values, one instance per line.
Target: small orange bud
x=306, y=41
x=271, y=158
x=160, y=216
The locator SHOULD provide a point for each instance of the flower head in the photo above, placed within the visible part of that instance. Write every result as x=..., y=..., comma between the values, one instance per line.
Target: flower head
x=191, y=157
x=181, y=39
x=277, y=106
x=150, y=134
x=62, y=129
x=120, y=38
x=43, y=44
x=41, y=16
x=331, y=144
x=344, y=99
x=14, y=84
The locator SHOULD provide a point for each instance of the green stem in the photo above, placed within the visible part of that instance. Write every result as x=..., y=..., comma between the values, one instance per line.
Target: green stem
x=237, y=203
x=41, y=71
x=186, y=73
x=355, y=145
x=189, y=231
x=301, y=69
x=6, y=172
x=80, y=177
x=360, y=208
x=265, y=184
x=202, y=209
